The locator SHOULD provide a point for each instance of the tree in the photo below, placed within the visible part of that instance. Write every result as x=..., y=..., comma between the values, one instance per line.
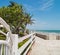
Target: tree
x=27, y=20
x=15, y=16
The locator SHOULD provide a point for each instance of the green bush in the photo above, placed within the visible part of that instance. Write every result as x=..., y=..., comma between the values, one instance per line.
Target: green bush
x=21, y=34
x=23, y=42
x=2, y=37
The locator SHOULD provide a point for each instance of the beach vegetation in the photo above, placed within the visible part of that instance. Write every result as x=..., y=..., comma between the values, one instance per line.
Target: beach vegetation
x=17, y=17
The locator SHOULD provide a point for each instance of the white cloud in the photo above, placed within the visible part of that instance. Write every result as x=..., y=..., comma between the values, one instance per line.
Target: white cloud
x=43, y=5
x=47, y=4
x=29, y=8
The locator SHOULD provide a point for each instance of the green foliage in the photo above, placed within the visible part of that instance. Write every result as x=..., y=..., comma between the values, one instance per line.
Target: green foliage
x=21, y=34
x=15, y=15
x=2, y=37
x=22, y=43
x=27, y=31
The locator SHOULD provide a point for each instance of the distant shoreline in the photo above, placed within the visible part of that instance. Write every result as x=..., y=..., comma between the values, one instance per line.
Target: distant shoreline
x=49, y=35
x=47, y=31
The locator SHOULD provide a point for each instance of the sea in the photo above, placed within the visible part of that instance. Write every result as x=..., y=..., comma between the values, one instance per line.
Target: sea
x=49, y=31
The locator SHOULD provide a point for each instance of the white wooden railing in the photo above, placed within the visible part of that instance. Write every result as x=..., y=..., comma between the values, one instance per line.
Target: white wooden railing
x=10, y=45
x=30, y=41
x=5, y=47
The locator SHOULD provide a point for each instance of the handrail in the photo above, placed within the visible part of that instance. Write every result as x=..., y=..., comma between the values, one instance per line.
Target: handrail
x=25, y=37
x=4, y=24
x=3, y=33
x=21, y=49
x=29, y=47
x=3, y=42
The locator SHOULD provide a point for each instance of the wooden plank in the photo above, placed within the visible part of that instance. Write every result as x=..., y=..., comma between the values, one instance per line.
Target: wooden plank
x=3, y=42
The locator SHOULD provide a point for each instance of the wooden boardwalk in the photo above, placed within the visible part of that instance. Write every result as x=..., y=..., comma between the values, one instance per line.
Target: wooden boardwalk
x=39, y=47
x=45, y=47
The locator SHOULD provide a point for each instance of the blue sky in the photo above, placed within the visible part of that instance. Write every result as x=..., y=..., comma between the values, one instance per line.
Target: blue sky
x=46, y=13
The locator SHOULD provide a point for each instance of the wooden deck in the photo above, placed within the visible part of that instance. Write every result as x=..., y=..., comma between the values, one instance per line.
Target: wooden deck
x=45, y=47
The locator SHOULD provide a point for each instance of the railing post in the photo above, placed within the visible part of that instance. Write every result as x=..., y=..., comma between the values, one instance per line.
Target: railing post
x=1, y=49
x=15, y=44
x=6, y=50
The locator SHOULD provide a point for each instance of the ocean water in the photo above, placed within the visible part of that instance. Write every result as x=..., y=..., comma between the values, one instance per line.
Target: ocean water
x=50, y=31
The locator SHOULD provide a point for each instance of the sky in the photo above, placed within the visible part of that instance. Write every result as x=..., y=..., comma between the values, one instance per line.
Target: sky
x=46, y=13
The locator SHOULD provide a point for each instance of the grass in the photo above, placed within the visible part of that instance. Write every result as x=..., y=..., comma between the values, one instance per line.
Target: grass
x=2, y=37
x=22, y=43
x=25, y=48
